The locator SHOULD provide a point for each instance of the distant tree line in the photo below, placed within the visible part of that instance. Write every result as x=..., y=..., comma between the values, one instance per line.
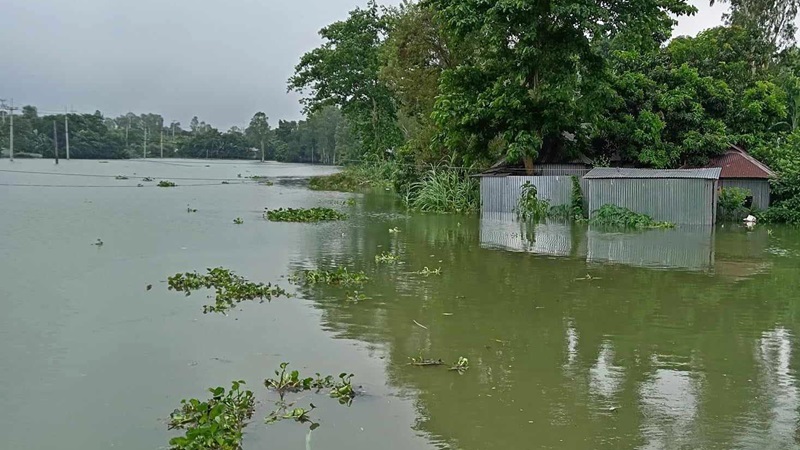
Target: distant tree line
x=323, y=137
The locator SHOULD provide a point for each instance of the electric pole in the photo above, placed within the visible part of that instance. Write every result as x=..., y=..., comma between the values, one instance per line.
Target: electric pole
x=10, y=110
x=66, y=132
x=55, y=141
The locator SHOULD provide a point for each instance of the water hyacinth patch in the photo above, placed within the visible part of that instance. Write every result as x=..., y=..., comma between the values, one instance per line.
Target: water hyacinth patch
x=231, y=289
x=317, y=214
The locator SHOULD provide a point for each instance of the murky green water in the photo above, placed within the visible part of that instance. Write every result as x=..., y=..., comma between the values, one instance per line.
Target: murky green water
x=681, y=339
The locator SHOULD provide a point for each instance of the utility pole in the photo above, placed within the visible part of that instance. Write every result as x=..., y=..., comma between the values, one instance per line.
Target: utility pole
x=66, y=132
x=11, y=136
x=55, y=141
x=145, y=143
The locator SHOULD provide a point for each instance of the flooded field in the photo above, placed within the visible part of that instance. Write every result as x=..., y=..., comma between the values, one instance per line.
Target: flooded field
x=576, y=338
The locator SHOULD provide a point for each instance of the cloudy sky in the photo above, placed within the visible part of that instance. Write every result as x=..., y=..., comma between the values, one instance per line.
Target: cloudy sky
x=219, y=60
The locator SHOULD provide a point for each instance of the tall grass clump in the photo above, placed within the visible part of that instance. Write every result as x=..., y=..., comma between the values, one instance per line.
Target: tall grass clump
x=613, y=216
x=445, y=191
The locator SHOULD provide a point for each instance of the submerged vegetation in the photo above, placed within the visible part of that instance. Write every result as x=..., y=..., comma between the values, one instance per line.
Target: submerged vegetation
x=428, y=272
x=238, y=221
x=612, y=216
x=444, y=190
x=317, y=214
x=213, y=424
x=230, y=289
x=166, y=183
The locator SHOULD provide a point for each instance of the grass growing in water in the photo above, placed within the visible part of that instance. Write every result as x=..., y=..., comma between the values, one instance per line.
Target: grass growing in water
x=231, y=289
x=214, y=424
x=612, y=216
x=166, y=183
x=445, y=191
x=461, y=365
x=340, y=276
x=303, y=215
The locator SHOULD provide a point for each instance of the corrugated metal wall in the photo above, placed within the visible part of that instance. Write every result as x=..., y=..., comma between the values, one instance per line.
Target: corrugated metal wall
x=679, y=200
x=500, y=194
x=758, y=187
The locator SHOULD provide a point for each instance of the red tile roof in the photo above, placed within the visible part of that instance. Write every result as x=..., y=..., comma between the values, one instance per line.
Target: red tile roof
x=736, y=163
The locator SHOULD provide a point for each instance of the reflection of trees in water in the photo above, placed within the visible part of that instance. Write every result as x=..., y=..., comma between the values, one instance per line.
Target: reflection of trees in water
x=558, y=362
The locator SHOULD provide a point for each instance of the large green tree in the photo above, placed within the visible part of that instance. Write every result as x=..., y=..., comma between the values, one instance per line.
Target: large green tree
x=773, y=20
x=258, y=132
x=538, y=71
x=344, y=71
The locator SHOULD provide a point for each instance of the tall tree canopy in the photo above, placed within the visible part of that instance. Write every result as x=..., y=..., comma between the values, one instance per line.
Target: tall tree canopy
x=538, y=70
x=344, y=72
x=774, y=20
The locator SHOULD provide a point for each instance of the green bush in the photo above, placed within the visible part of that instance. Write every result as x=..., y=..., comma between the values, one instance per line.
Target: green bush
x=529, y=205
x=730, y=204
x=787, y=211
x=613, y=216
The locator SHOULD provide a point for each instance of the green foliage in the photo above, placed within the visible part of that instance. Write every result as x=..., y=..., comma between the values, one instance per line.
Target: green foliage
x=344, y=181
x=238, y=221
x=166, y=183
x=214, y=424
x=445, y=190
x=786, y=211
x=340, y=276
x=461, y=365
x=317, y=214
x=344, y=70
x=529, y=206
x=731, y=203
x=617, y=217
x=535, y=70
x=386, y=258
x=230, y=289
x=426, y=272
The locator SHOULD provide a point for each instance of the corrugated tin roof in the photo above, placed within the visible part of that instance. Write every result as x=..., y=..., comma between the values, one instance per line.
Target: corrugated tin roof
x=736, y=163
x=621, y=172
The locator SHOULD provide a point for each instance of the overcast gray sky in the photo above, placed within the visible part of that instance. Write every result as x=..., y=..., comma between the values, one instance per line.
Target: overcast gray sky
x=219, y=60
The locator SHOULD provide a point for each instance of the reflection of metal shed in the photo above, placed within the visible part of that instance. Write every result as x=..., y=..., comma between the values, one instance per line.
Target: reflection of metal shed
x=743, y=171
x=686, y=248
x=681, y=196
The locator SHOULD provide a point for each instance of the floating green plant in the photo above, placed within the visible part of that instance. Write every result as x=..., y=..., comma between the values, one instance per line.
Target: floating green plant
x=394, y=230
x=166, y=183
x=303, y=215
x=424, y=362
x=356, y=297
x=285, y=411
x=340, y=276
x=461, y=365
x=120, y=177
x=238, y=221
x=386, y=258
x=428, y=272
x=213, y=424
x=231, y=289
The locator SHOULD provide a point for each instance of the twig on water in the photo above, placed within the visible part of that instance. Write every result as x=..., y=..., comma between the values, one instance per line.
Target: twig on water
x=419, y=324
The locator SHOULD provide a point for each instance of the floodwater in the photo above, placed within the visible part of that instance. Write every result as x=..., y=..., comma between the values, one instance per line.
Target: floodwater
x=576, y=338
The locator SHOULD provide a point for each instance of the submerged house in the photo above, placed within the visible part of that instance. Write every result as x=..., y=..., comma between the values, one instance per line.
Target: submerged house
x=741, y=170
x=680, y=196
x=501, y=184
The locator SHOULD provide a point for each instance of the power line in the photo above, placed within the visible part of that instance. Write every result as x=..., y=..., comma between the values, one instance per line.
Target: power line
x=90, y=175
x=116, y=186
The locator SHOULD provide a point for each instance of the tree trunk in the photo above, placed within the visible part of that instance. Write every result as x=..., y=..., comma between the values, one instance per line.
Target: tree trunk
x=528, y=161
